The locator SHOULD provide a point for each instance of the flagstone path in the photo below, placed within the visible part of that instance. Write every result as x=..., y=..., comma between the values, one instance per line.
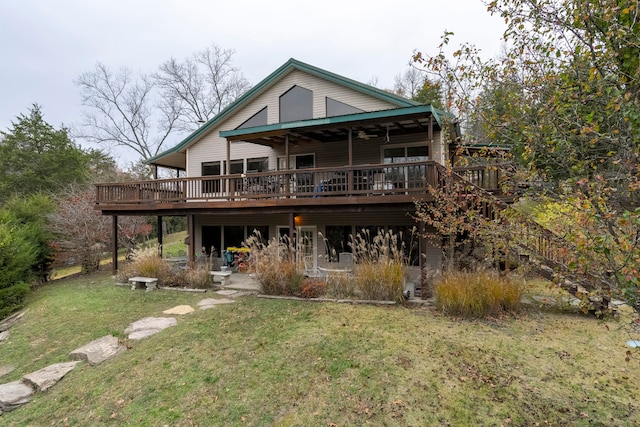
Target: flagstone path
x=18, y=393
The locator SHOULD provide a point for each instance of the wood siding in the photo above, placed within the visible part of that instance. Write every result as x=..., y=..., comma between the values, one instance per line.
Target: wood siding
x=213, y=148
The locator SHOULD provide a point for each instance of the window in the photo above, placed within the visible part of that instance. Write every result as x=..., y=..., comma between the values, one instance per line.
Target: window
x=260, y=231
x=408, y=176
x=258, y=119
x=211, y=185
x=302, y=182
x=236, y=167
x=258, y=164
x=299, y=161
x=233, y=236
x=211, y=238
x=296, y=104
x=337, y=108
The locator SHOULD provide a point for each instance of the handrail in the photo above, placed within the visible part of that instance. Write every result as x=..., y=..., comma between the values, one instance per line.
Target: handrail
x=407, y=178
x=540, y=242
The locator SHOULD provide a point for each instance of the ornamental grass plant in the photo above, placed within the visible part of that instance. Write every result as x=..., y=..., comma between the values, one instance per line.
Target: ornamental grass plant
x=275, y=265
x=379, y=273
x=478, y=293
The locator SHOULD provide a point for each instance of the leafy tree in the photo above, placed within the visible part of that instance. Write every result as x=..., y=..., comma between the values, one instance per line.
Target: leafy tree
x=35, y=157
x=566, y=94
x=26, y=252
x=31, y=213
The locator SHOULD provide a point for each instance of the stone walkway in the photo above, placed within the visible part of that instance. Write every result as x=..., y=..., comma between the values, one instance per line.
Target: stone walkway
x=18, y=393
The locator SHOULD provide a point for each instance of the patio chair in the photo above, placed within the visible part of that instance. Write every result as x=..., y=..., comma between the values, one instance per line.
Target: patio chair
x=309, y=269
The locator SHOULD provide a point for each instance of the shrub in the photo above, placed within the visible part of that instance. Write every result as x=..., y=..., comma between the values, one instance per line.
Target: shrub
x=477, y=294
x=313, y=287
x=12, y=298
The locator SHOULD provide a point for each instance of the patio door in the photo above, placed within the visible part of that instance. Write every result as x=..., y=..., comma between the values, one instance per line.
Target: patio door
x=302, y=182
x=407, y=176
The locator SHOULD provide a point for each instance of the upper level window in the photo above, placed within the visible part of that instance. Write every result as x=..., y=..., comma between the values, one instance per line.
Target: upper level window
x=257, y=164
x=337, y=108
x=296, y=104
x=258, y=119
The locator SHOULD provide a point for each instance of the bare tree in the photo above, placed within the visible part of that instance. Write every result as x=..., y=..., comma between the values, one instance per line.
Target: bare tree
x=201, y=86
x=409, y=83
x=122, y=111
x=140, y=112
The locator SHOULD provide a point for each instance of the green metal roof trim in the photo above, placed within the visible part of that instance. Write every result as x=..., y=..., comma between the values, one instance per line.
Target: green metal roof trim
x=371, y=115
x=257, y=89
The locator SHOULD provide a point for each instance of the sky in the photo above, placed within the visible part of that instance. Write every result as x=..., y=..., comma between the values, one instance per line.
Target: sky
x=45, y=45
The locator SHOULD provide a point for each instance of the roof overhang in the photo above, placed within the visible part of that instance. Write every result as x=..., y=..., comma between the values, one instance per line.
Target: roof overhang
x=398, y=121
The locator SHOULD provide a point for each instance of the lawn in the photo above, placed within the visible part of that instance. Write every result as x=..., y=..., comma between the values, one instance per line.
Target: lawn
x=289, y=363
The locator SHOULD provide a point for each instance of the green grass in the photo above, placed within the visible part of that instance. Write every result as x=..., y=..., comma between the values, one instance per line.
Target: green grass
x=288, y=363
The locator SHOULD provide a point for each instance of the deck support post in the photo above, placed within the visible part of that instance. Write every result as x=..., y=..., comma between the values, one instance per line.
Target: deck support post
x=425, y=287
x=114, y=245
x=191, y=223
x=160, y=236
x=292, y=227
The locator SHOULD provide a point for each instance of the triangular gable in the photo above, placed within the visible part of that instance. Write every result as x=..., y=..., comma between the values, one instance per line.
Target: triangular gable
x=265, y=84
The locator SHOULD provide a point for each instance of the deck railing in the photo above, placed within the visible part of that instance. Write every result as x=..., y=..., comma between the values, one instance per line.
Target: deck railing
x=525, y=235
x=410, y=178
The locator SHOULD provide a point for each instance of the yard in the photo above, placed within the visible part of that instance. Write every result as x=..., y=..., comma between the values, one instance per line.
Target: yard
x=293, y=363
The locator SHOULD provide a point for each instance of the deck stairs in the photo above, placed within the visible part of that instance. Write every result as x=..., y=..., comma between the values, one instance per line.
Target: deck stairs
x=549, y=254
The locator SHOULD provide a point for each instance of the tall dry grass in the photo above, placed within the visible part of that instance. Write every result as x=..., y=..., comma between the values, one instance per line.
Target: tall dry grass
x=275, y=265
x=146, y=262
x=478, y=294
x=381, y=263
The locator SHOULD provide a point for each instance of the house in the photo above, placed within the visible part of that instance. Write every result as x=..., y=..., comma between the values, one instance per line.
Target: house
x=304, y=152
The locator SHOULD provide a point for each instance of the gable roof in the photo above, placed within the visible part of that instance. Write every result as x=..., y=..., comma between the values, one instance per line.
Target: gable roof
x=286, y=68
x=325, y=129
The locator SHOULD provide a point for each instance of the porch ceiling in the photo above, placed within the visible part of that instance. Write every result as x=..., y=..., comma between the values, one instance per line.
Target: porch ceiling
x=376, y=124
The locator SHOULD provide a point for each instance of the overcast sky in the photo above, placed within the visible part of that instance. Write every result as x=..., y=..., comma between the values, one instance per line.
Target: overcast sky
x=46, y=44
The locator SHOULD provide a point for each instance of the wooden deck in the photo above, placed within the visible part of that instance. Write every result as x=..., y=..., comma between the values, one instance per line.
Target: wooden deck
x=350, y=185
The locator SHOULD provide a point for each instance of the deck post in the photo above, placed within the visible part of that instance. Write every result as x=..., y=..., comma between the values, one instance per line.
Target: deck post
x=160, y=236
x=191, y=223
x=425, y=288
x=114, y=245
x=292, y=226
x=350, y=173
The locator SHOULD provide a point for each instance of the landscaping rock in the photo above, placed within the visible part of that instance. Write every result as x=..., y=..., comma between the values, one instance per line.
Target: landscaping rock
x=99, y=350
x=179, y=309
x=4, y=336
x=15, y=394
x=544, y=300
x=47, y=377
x=149, y=326
x=5, y=369
x=7, y=323
x=208, y=303
x=231, y=293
